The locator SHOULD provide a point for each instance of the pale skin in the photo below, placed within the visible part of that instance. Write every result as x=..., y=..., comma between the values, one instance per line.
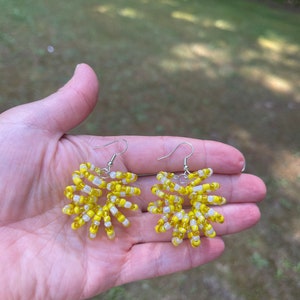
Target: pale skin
x=41, y=256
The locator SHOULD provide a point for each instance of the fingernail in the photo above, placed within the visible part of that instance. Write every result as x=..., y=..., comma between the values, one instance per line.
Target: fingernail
x=77, y=67
x=244, y=167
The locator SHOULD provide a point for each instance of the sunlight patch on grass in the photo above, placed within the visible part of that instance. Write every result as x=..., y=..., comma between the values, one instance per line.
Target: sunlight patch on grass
x=195, y=56
x=224, y=25
x=126, y=12
x=277, y=84
x=102, y=9
x=278, y=46
x=184, y=16
x=272, y=82
x=130, y=13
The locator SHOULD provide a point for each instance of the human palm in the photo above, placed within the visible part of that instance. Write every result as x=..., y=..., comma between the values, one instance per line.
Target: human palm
x=41, y=256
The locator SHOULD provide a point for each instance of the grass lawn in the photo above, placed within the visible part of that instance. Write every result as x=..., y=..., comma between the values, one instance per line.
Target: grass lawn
x=222, y=70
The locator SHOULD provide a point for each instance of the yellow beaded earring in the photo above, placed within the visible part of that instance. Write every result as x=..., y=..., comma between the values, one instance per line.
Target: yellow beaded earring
x=90, y=184
x=173, y=190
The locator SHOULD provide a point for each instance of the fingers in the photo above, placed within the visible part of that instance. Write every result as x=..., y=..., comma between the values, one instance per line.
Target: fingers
x=71, y=104
x=157, y=259
x=63, y=110
x=143, y=152
x=240, y=188
x=238, y=217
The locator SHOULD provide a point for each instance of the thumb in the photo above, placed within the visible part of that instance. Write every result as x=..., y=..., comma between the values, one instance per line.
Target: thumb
x=72, y=103
x=63, y=110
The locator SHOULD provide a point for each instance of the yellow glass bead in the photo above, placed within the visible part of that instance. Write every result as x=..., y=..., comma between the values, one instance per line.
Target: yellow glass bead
x=93, y=228
x=208, y=230
x=106, y=219
x=120, y=217
x=77, y=209
x=96, y=192
x=122, y=202
x=176, y=241
x=110, y=232
x=97, y=218
x=68, y=209
x=74, y=225
x=195, y=242
x=90, y=213
x=134, y=207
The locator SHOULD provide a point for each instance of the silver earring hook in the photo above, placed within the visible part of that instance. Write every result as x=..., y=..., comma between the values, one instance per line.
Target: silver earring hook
x=185, y=159
x=111, y=161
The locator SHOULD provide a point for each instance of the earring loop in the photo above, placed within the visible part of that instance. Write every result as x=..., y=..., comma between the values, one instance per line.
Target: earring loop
x=111, y=161
x=185, y=159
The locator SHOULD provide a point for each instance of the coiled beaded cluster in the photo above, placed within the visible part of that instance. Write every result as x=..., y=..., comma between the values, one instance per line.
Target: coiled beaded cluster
x=172, y=191
x=84, y=198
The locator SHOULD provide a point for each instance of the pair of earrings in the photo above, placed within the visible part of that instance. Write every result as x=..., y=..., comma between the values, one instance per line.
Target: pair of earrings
x=173, y=191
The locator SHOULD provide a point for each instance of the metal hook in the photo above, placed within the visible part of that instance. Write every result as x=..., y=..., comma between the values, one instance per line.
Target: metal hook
x=185, y=165
x=111, y=161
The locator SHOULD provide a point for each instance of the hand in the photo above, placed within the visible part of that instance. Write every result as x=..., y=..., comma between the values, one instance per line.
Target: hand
x=41, y=256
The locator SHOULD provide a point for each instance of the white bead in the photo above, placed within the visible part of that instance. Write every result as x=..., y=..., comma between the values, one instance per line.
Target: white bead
x=83, y=167
x=92, y=235
x=76, y=198
x=97, y=180
x=211, y=231
x=66, y=208
x=75, y=176
x=165, y=219
x=200, y=173
x=193, y=222
x=127, y=204
x=126, y=222
x=176, y=187
x=113, y=210
x=85, y=218
x=167, y=225
x=197, y=188
x=152, y=208
x=112, y=175
x=198, y=214
x=87, y=189
x=97, y=223
x=176, y=240
x=107, y=224
x=113, y=198
x=210, y=199
x=210, y=212
x=164, y=179
x=166, y=210
x=197, y=205
x=179, y=215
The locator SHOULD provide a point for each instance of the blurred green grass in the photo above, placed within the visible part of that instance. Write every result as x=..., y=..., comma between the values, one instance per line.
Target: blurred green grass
x=222, y=70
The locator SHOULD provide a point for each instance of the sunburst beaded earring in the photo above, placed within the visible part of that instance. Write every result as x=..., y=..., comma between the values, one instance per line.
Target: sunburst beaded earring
x=91, y=185
x=173, y=190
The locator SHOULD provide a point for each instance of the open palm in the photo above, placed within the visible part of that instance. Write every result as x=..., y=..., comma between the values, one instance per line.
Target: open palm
x=41, y=256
